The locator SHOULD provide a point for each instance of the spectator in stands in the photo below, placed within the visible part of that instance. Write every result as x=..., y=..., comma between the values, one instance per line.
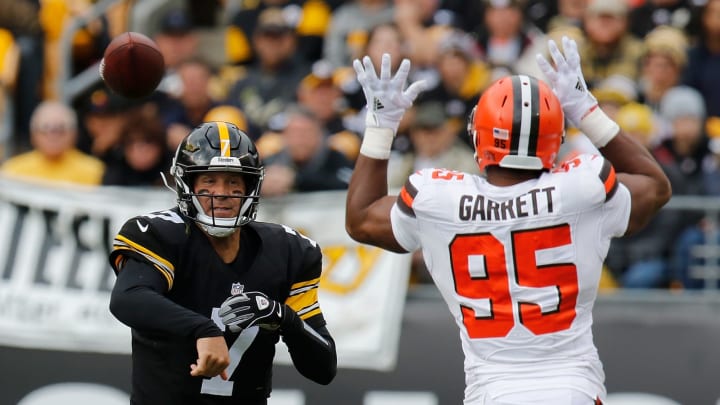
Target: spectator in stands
x=462, y=77
x=655, y=13
x=685, y=152
x=320, y=93
x=704, y=59
x=610, y=47
x=185, y=111
x=419, y=23
x=310, y=20
x=54, y=157
x=104, y=116
x=382, y=38
x=306, y=162
x=639, y=121
x=22, y=19
x=434, y=143
x=684, y=260
x=570, y=13
x=687, y=147
x=144, y=153
x=269, y=85
x=506, y=37
x=614, y=92
x=228, y=113
x=349, y=27
x=663, y=62
x=642, y=260
x=9, y=64
x=178, y=40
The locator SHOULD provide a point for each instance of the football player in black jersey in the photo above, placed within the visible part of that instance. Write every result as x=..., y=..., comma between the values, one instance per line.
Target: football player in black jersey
x=208, y=291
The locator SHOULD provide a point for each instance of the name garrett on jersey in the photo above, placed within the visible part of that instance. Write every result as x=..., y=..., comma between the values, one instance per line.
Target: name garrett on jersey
x=536, y=201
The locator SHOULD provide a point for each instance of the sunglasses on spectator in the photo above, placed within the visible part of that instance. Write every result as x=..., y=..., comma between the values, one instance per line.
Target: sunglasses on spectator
x=58, y=128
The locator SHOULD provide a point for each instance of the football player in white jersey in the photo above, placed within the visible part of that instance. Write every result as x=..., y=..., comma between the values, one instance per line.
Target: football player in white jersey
x=516, y=253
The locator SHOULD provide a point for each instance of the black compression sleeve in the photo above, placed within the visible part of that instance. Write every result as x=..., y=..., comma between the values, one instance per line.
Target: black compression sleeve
x=137, y=300
x=312, y=350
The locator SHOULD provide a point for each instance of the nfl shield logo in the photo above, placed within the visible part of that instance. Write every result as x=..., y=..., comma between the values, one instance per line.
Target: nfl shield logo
x=236, y=289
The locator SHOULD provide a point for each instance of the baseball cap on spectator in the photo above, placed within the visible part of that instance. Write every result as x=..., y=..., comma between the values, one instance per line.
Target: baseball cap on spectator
x=668, y=41
x=227, y=113
x=617, y=89
x=273, y=21
x=459, y=43
x=102, y=101
x=176, y=22
x=608, y=7
x=636, y=118
x=682, y=101
x=322, y=74
x=430, y=114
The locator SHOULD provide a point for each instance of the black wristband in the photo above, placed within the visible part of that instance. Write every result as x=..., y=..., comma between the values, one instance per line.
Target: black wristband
x=290, y=322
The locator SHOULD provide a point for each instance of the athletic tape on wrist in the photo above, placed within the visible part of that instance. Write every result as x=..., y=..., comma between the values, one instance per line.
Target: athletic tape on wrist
x=598, y=127
x=377, y=142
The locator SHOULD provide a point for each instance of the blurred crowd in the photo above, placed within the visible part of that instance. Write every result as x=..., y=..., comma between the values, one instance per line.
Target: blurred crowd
x=282, y=71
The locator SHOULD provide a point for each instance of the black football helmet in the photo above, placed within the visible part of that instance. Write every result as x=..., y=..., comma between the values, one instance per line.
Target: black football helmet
x=217, y=147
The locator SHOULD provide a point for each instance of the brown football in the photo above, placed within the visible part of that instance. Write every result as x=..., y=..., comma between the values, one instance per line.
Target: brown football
x=132, y=65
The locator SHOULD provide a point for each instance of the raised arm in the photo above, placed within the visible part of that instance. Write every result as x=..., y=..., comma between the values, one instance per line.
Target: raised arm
x=636, y=168
x=367, y=214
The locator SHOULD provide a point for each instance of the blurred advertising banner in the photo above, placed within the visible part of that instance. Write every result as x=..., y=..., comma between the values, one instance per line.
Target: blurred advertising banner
x=55, y=279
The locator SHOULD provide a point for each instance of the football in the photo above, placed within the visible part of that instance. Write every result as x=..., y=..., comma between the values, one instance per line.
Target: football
x=132, y=65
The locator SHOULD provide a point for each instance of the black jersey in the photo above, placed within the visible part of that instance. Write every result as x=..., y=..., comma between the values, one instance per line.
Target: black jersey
x=274, y=259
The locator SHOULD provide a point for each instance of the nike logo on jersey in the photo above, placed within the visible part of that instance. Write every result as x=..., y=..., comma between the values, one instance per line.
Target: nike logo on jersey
x=143, y=228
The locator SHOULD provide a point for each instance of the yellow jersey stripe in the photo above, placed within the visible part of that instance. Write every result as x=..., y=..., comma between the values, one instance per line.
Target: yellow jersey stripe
x=301, y=301
x=146, y=252
x=168, y=277
x=304, y=283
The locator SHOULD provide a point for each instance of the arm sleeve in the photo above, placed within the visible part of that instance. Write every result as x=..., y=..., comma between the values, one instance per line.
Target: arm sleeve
x=137, y=300
x=312, y=350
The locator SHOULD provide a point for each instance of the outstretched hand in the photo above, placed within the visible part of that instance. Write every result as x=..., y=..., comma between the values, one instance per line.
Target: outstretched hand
x=567, y=80
x=386, y=96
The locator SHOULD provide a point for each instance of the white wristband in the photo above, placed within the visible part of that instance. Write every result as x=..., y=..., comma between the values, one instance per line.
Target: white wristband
x=598, y=127
x=377, y=143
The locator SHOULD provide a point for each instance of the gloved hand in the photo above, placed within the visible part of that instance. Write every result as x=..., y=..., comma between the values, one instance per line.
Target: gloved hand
x=567, y=80
x=387, y=99
x=251, y=308
x=579, y=105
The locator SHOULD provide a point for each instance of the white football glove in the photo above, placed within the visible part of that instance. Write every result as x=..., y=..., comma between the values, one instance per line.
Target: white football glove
x=568, y=83
x=387, y=98
x=567, y=80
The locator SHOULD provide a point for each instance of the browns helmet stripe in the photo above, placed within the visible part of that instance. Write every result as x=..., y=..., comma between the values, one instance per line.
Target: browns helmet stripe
x=526, y=116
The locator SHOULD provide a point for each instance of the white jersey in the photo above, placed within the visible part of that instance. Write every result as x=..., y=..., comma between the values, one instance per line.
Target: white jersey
x=519, y=268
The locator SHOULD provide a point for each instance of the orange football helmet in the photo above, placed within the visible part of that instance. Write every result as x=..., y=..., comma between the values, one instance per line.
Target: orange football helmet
x=518, y=123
